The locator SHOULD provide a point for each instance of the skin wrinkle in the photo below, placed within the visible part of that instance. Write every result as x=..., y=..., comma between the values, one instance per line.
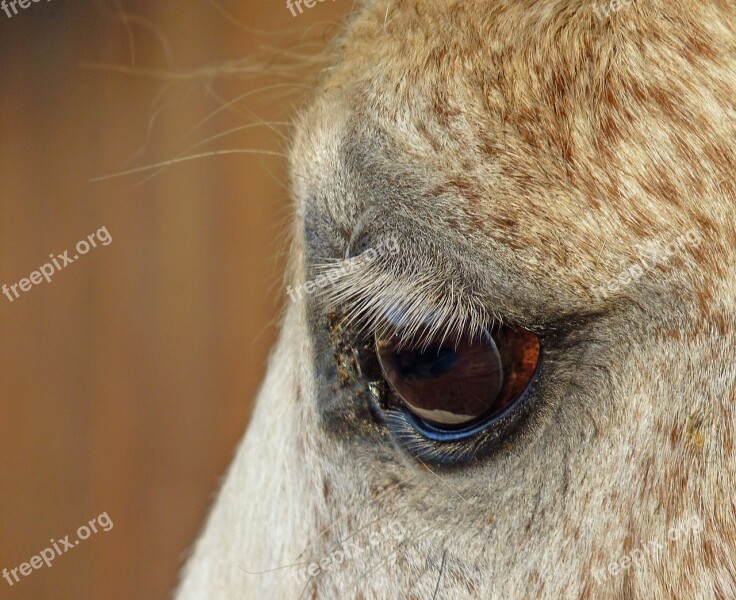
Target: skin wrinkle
x=520, y=151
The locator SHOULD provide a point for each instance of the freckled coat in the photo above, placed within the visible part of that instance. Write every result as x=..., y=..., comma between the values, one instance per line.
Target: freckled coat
x=523, y=151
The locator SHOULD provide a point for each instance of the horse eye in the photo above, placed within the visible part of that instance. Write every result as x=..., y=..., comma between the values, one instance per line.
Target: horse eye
x=451, y=386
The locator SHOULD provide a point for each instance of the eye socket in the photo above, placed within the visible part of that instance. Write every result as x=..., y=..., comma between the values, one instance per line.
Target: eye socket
x=459, y=387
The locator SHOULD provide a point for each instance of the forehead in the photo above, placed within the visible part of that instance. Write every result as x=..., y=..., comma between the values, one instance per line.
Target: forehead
x=551, y=140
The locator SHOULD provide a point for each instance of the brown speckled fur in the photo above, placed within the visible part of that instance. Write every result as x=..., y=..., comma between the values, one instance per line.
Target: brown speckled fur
x=535, y=145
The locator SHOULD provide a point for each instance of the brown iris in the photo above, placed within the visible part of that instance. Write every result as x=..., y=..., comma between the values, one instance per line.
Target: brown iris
x=452, y=384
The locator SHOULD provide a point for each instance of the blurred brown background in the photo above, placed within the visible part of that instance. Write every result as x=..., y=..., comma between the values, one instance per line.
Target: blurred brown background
x=127, y=381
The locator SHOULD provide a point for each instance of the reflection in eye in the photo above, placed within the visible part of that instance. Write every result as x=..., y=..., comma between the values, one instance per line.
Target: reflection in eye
x=455, y=384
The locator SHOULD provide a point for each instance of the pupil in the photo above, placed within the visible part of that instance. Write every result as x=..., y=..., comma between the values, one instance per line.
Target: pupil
x=423, y=365
x=449, y=386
